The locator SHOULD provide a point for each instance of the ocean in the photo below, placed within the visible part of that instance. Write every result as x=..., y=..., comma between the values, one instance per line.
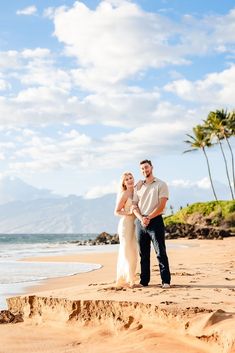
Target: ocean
x=15, y=275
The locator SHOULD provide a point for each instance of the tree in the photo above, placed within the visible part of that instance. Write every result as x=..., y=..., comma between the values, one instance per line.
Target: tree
x=216, y=126
x=200, y=141
x=230, y=131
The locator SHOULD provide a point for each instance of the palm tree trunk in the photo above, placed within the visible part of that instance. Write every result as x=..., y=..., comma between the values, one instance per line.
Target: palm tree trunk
x=231, y=151
x=226, y=168
x=209, y=171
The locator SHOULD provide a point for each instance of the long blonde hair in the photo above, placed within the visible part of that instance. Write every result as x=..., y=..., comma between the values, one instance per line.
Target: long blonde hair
x=122, y=184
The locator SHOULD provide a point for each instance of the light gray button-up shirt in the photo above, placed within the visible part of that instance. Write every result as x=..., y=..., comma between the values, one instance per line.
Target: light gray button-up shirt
x=148, y=196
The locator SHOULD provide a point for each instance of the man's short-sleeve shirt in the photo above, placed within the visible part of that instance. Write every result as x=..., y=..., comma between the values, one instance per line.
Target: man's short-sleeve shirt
x=148, y=196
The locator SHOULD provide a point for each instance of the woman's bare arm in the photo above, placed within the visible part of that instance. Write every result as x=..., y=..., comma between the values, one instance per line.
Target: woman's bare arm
x=119, y=209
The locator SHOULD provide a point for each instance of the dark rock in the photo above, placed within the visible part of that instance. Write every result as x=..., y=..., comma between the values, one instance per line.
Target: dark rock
x=190, y=231
x=102, y=239
x=6, y=317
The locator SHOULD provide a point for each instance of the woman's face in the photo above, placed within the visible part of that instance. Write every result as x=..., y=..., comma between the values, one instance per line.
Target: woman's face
x=128, y=180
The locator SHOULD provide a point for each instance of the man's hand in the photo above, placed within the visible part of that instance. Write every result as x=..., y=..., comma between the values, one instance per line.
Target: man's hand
x=145, y=221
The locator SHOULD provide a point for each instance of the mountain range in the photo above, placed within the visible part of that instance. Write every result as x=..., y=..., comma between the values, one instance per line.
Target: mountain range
x=26, y=209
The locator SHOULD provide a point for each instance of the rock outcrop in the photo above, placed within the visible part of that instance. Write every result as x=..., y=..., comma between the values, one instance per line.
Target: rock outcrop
x=191, y=231
x=173, y=231
x=102, y=239
x=6, y=317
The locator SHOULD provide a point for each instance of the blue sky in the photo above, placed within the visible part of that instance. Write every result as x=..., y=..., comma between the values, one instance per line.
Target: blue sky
x=90, y=88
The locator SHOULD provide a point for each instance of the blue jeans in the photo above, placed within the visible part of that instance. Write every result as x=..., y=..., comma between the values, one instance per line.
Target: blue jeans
x=154, y=232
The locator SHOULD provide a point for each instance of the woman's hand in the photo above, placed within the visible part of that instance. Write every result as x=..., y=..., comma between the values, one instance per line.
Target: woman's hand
x=133, y=207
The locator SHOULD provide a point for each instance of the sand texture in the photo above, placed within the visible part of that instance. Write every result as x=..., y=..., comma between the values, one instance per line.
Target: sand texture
x=87, y=313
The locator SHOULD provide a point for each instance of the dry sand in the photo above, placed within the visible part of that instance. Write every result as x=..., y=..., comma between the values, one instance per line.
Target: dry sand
x=86, y=313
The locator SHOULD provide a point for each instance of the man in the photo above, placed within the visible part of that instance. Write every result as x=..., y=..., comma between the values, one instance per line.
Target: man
x=149, y=202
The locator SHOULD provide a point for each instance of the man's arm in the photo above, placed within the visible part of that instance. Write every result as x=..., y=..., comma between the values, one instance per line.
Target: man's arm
x=144, y=220
x=158, y=210
x=135, y=209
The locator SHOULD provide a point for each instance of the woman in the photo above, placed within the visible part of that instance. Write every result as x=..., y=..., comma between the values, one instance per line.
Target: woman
x=127, y=256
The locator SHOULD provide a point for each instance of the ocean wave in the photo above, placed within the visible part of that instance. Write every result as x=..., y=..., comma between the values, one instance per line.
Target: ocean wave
x=20, y=272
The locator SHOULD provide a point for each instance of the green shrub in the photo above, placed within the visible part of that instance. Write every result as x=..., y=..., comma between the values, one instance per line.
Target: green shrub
x=230, y=219
x=217, y=211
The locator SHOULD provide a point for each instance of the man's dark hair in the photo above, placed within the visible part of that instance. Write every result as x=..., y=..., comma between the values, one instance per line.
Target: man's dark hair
x=146, y=161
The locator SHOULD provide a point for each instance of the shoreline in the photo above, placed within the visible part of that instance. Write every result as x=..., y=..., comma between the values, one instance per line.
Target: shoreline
x=19, y=288
x=200, y=302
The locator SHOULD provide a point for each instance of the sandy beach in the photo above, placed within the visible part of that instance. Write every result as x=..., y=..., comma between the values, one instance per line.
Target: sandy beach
x=86, y=313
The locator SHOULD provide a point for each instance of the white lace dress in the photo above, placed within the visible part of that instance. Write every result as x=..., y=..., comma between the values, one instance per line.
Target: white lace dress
x=127, y=255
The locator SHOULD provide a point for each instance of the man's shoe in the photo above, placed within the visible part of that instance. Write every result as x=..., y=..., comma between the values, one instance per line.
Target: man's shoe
x=166, y=285
x=140, y=285
x=137, y=285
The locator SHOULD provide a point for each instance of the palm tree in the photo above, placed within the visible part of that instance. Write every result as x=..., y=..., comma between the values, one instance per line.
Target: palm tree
x=230, y=131
x=201, y=140
x=215, y=125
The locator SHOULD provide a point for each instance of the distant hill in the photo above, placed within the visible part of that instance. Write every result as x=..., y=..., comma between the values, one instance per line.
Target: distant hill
x=26, y=209
x=14, y=189
x=71, y=214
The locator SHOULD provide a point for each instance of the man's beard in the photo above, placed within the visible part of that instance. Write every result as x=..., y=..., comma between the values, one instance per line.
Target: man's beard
x=147, y=175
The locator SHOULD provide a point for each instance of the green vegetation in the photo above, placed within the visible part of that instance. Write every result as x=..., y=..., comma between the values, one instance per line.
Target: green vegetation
x=218, y=128
x=213, y=213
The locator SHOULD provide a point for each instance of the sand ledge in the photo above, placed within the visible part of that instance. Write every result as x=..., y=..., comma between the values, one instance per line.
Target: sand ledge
x=199, y=326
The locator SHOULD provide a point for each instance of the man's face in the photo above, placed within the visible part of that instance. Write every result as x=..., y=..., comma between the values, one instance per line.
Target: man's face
x=146, y=169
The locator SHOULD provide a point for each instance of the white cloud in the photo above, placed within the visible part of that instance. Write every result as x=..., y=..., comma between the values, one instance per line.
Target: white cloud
x=49, y=12
x=38, y=152
x=106, y=40
x=6, y=148
x=223, y=31
x=187, y=184
x=35, y=53
x=27, y=11
x=46, y=75
x=118, y=39
x=160, y=133
x=9, y=59
x=162, y=130
x=37, y=96
x=18, y=60
x=4, y=85
x=121, y=107
x=98, y=191
x=204, y=183
x=111, y=44
x=216, y=88
x=7, y=145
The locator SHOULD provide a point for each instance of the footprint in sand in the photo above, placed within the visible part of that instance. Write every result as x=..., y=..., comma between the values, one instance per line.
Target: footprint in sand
x=153, y=295
x=115, y=289
x=74, y=344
